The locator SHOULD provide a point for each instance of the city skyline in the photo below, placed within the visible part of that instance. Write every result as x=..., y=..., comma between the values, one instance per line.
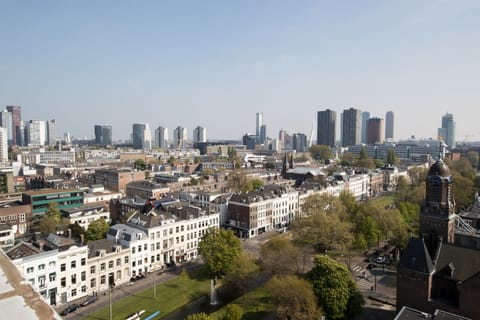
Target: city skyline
x=85, y=63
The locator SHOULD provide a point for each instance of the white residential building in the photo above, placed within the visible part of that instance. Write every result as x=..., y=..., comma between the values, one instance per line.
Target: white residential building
x=3, y=144
x=72, y=266
x=84, y=215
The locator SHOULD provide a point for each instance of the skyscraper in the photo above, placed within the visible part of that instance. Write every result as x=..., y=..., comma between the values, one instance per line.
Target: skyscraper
x=98, y=134
x=258, y=126
x=179, y=137
x=51, y=139
x=3, y=145
x=263, y=134
x=161, y=137
x=326, y=127
x=389, y=125
x=299, y=142
x=6, y=122
x=374, y=131
x=447, y=132
x=199, y=134
x=107, y=135
x=141, y=136
x=365, y=117
x=36, y=133
x=352, y=127
x=17, y=133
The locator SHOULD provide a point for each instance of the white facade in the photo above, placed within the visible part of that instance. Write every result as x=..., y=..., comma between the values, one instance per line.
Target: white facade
x=7, y=235
x=161, y=137
x=179, y=137
x=36, y=133
x=3, y=144
x=86, y=216
x=72, y=270
x=199, y=134
x=358, y=186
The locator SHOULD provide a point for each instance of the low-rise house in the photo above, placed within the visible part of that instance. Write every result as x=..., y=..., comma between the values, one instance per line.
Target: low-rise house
x=146, y=189
x=84, y=215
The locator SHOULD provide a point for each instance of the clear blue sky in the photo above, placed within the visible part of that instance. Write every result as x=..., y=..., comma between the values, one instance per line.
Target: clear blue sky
x=217, y=63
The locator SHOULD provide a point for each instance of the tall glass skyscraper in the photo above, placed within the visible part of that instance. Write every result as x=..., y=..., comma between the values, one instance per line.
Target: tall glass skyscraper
x=389, y=125
x=352, y=127
x=326, y=127
x=447, y=131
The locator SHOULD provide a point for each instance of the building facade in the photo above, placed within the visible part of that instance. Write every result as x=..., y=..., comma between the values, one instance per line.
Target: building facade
x=141, y=136
x=199, y=134
x=352, y=127
x=375, y=131
x=326, y=127
x=389, y=125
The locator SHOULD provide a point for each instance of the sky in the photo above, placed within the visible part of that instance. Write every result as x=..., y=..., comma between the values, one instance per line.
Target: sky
x=217, y=63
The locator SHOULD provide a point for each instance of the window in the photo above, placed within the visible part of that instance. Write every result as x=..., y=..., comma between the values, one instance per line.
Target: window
x=74, y=278
x=63, y=282
x=145, y=247
x=170, y=231
x=110, y=264
x=83, y=262
x=52, y=277
x=182, y=228
x=73, y=264
x=176, y=229
x=83, y=276
x=32, y=281
x=74, y=292
x=62, y=267
x=126, y=259
x=41, y=281
x=165, y=232
x=84, y=289
x=118, y=262
x=102, y=280
x=152, y=259
x=158, y=234
x=51, y=264
x=119, y=274
x=92, y=269
x=93, y=282
x=152, y=247
x=158, y=245
x=158, y=257
x=139, y=248
x=102, y=267
x=41, y=267
x=134, y=263
x=29, y=269
x=133, y=249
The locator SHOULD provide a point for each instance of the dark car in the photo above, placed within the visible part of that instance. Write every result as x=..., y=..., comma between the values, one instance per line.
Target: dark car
x=70, y=309
x=89, y=300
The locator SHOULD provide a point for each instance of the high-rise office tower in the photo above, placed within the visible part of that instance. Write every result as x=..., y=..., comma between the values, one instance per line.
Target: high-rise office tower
x=326, y=127
x=180, y=137
x=389, y=125
x=141, y=136
x=374, y=131
x=3, y=145
x=98, y=134
x=352, y=127
x=299, y=142
x=447, y=131
x=161, y=137
x=282, y=134
x=365, y=117
x=199, y=134
x=6, y=122
x=107, y=135
x=17, y=133
x=36, y=133
x=51, y=139
x=258, y=126
x=263, y=134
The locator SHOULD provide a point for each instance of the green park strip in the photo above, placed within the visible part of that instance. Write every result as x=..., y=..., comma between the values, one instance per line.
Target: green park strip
x=383, y=201
x=170, y=296
x=256, y=305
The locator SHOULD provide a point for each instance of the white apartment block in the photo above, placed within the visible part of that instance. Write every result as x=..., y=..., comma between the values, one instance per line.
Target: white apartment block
x=85, y=215
x=72, y=266
x=358, y=185
x=3, y=144
x=108, y=265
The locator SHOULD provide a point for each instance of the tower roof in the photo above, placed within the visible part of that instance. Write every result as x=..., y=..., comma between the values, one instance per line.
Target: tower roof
x=439, y=168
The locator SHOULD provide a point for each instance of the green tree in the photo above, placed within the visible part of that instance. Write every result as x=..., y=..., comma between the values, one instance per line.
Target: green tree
x=321, y=152
x=363, y=154
x=335, y=290
x=391, y=157
x=47, y=225
x=171, y=160
x=256, y=184
x=279, y=256
x=324, y=223
x=243, y=273
x=294, y=298
x=77, y=230
x=97, y=230
x=53, y=212
x=473, y=157
x=199, y=316
x=193, y=181
x=233, y=312
x=218, y=249
x=140, y=164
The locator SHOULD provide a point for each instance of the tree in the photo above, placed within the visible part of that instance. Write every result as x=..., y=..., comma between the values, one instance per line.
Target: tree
x=171, y=160
x=53, y=212
x=294, y=298
x=140, y=164
x=324, y=223
x=321, y=152
x=47, y=225
x=363, y=154
x=335, y=290
x=97, y=230
x=256, y=184
x=391, y=157
x=77, y=230
x=242, y=274
x=218, y=249
x=473, y=157
x=279, y=256
x=199, y=316
x=233, y=312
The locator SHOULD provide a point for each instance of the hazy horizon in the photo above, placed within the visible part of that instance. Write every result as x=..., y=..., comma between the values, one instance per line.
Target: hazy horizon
x=217, y=63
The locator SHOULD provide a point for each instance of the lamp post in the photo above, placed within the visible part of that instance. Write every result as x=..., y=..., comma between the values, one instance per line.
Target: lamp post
x=110, y=300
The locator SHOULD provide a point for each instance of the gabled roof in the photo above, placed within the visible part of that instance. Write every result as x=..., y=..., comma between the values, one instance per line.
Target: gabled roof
x=465, y=262
x=416, y=257
x=21, y=250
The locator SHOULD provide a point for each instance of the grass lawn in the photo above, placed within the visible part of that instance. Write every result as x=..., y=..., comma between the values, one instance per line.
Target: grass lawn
x=170, y=296
x=255, y=304
x=383, y=200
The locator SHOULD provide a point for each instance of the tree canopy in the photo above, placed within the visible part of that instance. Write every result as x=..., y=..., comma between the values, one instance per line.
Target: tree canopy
x=321, y=152
x=233, y=312
x=242, y=273
x=198, y=316
x=335, y=289
x=294, y=298
x=279, y=256
x=97, y=230
x=219, y=248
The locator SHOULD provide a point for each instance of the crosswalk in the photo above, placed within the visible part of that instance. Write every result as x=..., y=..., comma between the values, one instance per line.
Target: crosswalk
x=358, y=269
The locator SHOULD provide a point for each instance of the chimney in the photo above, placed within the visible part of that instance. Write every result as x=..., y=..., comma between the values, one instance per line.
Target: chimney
x=69, y=232
x=82, y=239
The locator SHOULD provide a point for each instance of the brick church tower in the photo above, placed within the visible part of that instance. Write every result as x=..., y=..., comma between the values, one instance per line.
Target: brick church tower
x=437, y=223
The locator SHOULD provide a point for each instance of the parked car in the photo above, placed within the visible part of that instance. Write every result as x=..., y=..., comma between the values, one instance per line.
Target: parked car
x=70, y=309
x=89, y=300
x=380, y=260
